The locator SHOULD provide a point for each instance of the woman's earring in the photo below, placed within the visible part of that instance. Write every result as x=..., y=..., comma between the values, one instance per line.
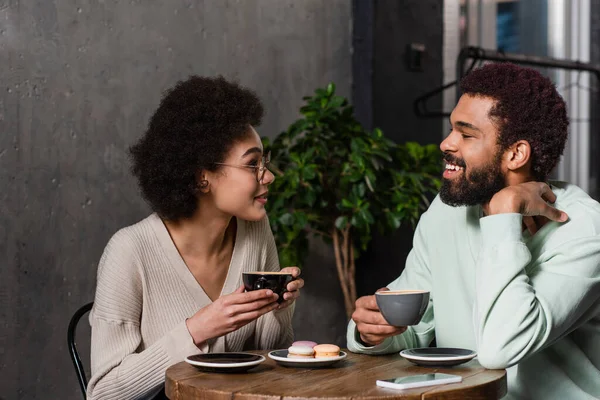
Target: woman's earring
x=203, y=185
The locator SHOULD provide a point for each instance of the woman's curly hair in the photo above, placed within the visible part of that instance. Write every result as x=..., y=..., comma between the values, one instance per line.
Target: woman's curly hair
x=528, y=107
x=196, y=124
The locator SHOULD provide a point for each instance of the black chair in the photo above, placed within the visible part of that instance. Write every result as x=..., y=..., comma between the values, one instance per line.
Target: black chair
x=73, y=347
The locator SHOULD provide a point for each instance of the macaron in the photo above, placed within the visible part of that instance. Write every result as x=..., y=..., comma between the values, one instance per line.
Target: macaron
x=300, y=352
x=304, y=343
x=326, y=350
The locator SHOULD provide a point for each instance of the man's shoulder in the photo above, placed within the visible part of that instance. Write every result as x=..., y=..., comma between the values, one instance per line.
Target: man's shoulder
x=582, y=209
x=572, y=196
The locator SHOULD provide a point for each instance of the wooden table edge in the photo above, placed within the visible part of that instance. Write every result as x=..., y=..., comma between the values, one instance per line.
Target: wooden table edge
x=497, y=388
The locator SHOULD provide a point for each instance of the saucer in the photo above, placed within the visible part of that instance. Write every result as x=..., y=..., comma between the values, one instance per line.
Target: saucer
x=438, y=356
x=281, y=358
x=225, y=362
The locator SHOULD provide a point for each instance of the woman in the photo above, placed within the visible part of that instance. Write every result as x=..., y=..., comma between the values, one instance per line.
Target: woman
x=170, y=285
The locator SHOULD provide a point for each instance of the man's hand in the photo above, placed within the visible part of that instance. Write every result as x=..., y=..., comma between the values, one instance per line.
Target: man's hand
x=371, y=325
x=529, y=199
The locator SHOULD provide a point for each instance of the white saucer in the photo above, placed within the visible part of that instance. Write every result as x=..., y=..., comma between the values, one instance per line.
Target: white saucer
x=438, y=356
x=225, y=362
x=280, y=356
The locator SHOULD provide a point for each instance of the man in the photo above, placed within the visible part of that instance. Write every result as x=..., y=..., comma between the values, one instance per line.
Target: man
x=512, y=262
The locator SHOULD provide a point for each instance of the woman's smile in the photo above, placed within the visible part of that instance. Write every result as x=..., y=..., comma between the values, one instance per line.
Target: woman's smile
x=262, y=198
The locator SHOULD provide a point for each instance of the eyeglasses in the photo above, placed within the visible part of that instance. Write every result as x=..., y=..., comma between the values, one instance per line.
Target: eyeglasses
x=259, y=169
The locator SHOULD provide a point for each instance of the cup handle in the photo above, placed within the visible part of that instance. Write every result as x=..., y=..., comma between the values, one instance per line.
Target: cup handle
x=261, y=283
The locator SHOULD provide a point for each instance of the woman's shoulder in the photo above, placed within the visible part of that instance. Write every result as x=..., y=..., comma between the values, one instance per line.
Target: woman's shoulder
x=137, y=232
x=120, y=272
x=128, y=241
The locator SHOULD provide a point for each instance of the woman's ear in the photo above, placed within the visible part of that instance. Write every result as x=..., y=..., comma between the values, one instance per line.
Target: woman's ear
x=202, y=184
x=518, y=155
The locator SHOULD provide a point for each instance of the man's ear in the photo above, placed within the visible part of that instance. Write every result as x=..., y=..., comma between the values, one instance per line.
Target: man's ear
x=517, y=155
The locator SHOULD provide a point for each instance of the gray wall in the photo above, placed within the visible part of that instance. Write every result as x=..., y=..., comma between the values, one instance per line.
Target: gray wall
x=78, y=83
x=595, y=102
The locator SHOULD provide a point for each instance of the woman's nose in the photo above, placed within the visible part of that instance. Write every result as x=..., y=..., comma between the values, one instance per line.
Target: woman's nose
x=268, y=178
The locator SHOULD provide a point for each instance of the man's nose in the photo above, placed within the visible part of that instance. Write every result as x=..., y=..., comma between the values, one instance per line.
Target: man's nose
x=449, y=144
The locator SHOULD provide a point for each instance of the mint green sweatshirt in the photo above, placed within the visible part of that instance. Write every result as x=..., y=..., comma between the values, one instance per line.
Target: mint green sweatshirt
x=527, y=303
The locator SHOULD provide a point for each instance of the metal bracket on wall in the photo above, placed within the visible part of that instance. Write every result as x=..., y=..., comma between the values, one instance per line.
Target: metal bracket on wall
x=415, y=54
x=478, y=55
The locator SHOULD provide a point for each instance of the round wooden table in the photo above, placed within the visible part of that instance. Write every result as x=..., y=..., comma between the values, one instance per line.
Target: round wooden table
x=353, y=377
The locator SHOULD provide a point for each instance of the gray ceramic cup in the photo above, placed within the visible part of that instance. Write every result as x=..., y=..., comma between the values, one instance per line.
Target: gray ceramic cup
x=402, y=307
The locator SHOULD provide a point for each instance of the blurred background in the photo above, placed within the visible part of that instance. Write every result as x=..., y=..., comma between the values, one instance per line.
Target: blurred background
x=81, y=78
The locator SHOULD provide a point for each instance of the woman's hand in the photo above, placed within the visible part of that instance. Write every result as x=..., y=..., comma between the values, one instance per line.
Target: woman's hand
x=229, y=313
x=293, y=288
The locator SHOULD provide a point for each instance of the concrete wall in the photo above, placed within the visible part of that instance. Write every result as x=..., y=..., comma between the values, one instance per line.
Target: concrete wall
x=595, y=101
x=78, y=83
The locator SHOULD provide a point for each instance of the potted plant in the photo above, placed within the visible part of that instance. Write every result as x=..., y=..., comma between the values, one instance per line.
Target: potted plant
x=338, y=181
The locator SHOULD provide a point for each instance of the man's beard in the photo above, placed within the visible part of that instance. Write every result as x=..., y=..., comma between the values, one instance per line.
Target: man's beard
x=479, y=188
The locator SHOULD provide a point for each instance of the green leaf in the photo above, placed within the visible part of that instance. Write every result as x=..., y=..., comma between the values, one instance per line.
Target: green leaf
x=310, y=197
x=330, y=88
x=266, y=142
x=347, y=204
x=337, y=101
x=301, y=220
x=361, y=189
x=286, y=219
x=341, y=222
x=295, y=157
x=371, y=176
x=368, y=182
x=393, y=221
x=369, y=217
x=309, y=173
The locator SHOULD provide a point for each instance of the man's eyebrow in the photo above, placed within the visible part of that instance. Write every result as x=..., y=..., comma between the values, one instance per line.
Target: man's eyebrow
x=467, y=125
x=252, y=150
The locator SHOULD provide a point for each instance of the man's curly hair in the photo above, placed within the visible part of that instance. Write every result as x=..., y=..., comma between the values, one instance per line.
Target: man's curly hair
x=196, y=124
x=528, y=107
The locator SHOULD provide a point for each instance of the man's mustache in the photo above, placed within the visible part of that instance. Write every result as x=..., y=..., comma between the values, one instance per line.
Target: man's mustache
x=449, y=158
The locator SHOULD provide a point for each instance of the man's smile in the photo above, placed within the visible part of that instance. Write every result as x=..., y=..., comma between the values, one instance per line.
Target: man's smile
x=452, y=170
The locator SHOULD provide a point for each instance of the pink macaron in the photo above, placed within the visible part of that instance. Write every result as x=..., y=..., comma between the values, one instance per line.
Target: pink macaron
x=304, y=343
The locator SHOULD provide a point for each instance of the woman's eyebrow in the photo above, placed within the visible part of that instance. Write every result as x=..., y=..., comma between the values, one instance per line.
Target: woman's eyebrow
x=252, y=150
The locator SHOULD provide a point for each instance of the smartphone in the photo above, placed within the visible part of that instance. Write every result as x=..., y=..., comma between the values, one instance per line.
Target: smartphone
x=413, y=381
